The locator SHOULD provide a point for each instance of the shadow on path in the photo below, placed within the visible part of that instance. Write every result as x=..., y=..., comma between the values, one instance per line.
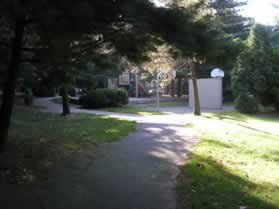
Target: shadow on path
x=138, y=172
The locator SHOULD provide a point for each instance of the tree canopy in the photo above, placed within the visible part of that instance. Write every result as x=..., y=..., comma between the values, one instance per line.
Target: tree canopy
x=59, y=37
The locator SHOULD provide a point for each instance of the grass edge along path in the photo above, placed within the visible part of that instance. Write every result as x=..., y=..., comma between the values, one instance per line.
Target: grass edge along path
x=33, y=125
x=124, y=109
x=236, y=163
x=37, y=140
x=132, y=110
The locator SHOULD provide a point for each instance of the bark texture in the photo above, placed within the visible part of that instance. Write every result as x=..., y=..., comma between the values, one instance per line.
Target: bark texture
x=10, y=83
x=197, y=109
x=65, y=101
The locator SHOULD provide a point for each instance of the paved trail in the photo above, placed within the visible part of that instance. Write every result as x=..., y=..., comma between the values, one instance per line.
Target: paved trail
x=138, y=172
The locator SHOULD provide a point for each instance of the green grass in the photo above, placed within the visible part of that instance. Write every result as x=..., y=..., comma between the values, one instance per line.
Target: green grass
x=235, y=163
x=124, y=109
x=132, y=110
x=57, y=100
x=168, y=104
x=38, y=140
x=33, y=126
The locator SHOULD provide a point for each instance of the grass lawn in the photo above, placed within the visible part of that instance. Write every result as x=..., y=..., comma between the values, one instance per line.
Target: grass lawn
x=132, y=110
x=168, y=104
x=236, y=163
x=124, y=109
x=57, y=100
x=74, y=129
x=38, y=138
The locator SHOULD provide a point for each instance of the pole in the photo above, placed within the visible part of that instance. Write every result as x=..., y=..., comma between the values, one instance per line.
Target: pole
x=137, y=85
x=158, y=90
x=158, y=94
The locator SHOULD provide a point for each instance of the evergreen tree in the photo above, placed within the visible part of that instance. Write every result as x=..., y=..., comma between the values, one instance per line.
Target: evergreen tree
x=66, y=33
x=63, y=34
x=231, y=22
x=253, y=72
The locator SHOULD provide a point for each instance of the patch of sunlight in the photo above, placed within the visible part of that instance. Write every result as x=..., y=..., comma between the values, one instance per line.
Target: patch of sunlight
x=243, y=146
x=72, y=147
x=154, y=130
x=169, y=155
x=262, y=123
x=112, y=131
x=189, y=125
x=149, y=113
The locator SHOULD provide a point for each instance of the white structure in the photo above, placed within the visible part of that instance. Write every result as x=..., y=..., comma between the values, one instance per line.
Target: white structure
x=124, y=79
x=210, y=93
x=217, y=73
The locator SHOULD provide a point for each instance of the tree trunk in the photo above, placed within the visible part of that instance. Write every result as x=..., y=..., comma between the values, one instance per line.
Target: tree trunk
x=172, y=87
x=10, y=83
x=197, y=109
x=65, y=101
x=179, y=92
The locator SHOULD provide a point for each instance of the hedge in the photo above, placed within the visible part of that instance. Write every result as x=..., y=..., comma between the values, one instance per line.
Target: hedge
x=101, y=98
x=246, y=103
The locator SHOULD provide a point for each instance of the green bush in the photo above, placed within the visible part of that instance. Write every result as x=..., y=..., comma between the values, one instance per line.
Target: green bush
x=100, y=98
x=28, y=97
x=122, y=96
x=74, y=101
x=246, y=103
x=71, y=92
x=276, y=99
x=43, y=91
x=228, y=95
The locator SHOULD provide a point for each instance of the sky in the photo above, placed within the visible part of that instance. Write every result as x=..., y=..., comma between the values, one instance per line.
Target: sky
x=262, y=10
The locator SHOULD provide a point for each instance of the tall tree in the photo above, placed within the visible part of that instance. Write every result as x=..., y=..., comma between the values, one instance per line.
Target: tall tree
x=97, y=27
x=192, y=29
x=227, y=14
x=66, y=33
x=253, y=72
x=12, y=69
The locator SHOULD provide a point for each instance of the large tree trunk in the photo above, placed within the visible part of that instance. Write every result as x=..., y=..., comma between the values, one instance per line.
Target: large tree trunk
x=65, y=101
x=10, y=83
x=197, y=109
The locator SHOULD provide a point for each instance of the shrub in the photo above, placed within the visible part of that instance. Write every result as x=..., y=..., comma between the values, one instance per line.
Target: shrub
x=28, y=97
x=228, y=95
x=100, y=98
x=276, y=99
x=122, y=96
x=43, y=91
x=246, y=103
x=71, y=92
x=74, y=101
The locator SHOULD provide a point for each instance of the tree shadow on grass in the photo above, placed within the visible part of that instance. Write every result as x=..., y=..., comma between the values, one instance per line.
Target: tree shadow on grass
x=205, y=183
x=265, y=117
x=227, y=116
x=241, y=120
x=214, y=187
x=152, y=157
